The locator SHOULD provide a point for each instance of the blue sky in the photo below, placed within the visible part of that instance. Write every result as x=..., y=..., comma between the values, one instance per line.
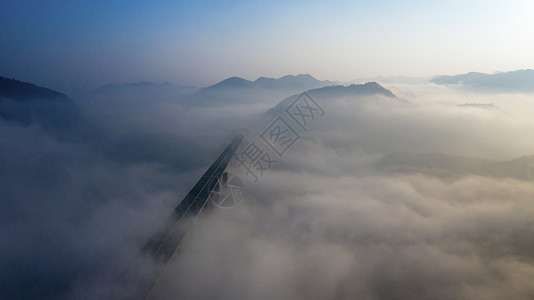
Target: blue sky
x=71, y=45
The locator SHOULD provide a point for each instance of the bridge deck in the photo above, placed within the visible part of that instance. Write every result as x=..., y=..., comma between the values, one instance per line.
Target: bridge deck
x=166, y=243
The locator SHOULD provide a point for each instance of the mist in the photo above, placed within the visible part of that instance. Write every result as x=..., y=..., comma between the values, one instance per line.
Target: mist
x=331, y=220
x=408, y=196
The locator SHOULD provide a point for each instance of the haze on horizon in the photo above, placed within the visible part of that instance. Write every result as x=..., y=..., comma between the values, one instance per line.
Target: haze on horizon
x=73, y=46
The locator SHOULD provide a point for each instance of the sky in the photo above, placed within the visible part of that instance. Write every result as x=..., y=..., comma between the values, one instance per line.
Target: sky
x=78, y=45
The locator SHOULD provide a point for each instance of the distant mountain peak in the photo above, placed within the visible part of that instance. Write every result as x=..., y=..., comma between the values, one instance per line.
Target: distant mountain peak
x=263, y=89
x=299, y=76
x=399, y=79
x=513, y=81
x=232, y=82
x=300, y=82
x=367, y=88
x=371, y=84
x=235, y=78
x=340, y=91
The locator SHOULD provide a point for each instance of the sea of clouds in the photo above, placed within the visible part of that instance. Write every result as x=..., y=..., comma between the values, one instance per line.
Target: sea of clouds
x=330, y=219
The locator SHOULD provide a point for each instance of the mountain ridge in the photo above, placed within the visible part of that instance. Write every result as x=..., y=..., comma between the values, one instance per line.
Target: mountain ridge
x=512, y=81
x=287, y=81
x=20, y=90
x=25, y=103
x=236, y=90
x=337, y=91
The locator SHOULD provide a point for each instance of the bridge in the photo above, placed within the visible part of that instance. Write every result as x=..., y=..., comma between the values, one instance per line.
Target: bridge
x=135, y=282
x=166, y=243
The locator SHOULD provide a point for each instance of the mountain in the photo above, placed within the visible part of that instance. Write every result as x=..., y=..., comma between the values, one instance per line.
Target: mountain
x=369, y=88
x=24, y=103
x=459, y=79
x=391, y=80
x=231, y=83
x=520, y=81
x=302, y=82
x=263, y=90
x=369, y=91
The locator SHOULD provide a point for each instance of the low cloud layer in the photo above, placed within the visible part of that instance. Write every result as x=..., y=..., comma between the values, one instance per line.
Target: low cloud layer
x=324, y=222
x=401, y=237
